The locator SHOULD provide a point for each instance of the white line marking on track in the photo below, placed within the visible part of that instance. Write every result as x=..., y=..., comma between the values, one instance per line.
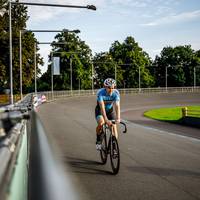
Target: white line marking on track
x=162, y=131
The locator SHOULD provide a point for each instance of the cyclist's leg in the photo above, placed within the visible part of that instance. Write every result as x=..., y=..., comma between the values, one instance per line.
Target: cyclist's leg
x=100, y=122
x=111, y=116
x=99, y=119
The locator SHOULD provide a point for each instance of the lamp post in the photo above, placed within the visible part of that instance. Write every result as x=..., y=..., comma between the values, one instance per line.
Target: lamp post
x=92, y=78
x=10, y=46
x=35, y=64
x=70, y=61
x=107, y=63
x=166, y=74
x=166, y=78
x=91, y=7
x=71, y=77
x=194, y=73
x=139, y=79
x=20, y=62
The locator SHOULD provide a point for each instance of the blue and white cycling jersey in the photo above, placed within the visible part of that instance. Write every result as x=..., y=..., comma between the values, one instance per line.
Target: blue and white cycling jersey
x=108, y=100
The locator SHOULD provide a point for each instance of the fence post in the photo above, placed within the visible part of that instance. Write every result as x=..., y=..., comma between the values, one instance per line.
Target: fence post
x=184, y=112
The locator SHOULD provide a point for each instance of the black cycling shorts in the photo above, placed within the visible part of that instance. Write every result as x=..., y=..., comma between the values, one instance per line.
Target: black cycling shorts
x=110, y=113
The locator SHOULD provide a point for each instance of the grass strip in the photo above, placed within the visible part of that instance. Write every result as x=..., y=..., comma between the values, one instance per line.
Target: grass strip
x=169, y=114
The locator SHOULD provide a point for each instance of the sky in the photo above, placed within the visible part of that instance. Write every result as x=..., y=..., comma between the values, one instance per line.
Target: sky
x=154, y=24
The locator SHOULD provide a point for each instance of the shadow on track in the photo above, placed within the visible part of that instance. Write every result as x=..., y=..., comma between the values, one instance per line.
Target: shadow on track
x=79, y=165
x=165, y=171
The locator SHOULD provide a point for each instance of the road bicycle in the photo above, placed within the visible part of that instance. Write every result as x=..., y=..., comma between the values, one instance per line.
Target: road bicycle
x=110, y=146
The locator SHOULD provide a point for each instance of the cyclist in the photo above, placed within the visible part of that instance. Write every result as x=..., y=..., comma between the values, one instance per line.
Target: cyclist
x=107, y=98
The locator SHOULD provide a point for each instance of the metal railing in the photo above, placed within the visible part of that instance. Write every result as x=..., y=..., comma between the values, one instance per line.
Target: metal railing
x=28, y=167
x=13, y=169
x=188, y=112
x=68, y=93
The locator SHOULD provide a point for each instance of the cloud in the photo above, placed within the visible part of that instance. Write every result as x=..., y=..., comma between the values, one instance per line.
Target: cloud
x=182, y=17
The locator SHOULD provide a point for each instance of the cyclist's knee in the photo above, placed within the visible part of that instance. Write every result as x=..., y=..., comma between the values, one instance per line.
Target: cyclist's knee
x=100, y=125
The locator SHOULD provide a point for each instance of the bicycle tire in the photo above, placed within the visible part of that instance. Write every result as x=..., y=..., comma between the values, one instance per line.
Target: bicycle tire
x=114, y=155
x=103, y=151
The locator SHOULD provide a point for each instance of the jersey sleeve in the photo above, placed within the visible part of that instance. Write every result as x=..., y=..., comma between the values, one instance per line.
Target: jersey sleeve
x=99, y=96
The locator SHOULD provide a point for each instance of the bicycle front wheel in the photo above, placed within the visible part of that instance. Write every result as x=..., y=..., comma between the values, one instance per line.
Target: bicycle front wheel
x=114, y=155
x=103, y=151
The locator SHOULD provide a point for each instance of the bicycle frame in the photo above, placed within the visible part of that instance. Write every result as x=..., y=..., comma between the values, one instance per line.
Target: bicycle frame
x=110, y=146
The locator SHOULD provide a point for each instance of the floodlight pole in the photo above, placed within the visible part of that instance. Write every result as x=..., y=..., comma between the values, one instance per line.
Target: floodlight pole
x=139, y=78
x=51, y=54
x=115, y=65
x=166, y=78
x=116, y=74
x=194, y=73
x=35, y=63
x=91, y=7
x=70, y=60
x=10, y=44
x=20, y=62
x=92, y=78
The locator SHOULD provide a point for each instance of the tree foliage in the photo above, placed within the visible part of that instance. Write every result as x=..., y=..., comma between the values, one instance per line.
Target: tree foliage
x=128, y=58
x=132, y=60
x=179, y=63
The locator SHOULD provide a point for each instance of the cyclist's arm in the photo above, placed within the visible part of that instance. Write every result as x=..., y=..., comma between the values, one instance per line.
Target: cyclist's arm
x=103, y=110
x=117, y=110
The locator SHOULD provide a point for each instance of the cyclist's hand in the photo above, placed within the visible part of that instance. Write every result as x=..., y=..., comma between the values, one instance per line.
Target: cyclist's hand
x=117, y=121
x=108, y=122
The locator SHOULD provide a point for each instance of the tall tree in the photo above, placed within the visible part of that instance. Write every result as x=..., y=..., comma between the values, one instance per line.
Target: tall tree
x=105, y=67
x=19, y=19
x=179, y=63
x=134, y=62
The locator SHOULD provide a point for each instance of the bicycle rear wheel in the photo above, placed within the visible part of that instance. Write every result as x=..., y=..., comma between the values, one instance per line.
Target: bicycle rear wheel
x=103, y=151
x=114, y=155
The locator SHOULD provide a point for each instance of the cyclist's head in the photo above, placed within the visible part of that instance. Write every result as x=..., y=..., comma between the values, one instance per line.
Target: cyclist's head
x=109, y=82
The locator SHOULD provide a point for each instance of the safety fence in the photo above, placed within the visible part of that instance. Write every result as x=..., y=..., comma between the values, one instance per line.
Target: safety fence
x=28, y=168
x=188, y=112
x=14, y=151
x=52, y=95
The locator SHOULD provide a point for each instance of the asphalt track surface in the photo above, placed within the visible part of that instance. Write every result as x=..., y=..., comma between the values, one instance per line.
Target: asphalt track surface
x=159, y=161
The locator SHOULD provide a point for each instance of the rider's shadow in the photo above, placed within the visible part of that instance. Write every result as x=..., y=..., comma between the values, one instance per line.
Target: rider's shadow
x=79, y=165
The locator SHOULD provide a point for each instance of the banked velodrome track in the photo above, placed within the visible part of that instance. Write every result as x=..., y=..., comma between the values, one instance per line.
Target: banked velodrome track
x=158, y=160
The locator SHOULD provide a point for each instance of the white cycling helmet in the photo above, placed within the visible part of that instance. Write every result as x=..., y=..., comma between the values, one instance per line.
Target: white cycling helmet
x=109, y=82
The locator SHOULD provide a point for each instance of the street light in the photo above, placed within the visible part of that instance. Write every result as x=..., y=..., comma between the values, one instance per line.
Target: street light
x=106, y=63
x=71, y=77
x=166, y=67
x=139, y=82
x=194, y=72
x=166, y=75
x=35, y=50
x=91, y=7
